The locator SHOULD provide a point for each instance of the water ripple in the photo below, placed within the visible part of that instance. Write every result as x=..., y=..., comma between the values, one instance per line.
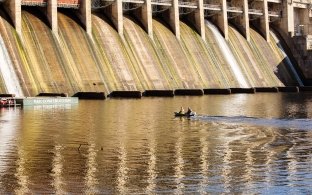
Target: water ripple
x=290, y=123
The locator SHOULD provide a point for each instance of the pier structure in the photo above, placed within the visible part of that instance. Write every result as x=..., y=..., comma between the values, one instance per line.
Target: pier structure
x=292, y=17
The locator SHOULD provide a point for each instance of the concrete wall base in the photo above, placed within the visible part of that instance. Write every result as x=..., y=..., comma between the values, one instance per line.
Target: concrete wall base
x=293, y=89
x=52, y=95
x=158, y=93
x=91, y=95
x=266, y=89
x=125, y=94
x=190, y=92
x=217, y=91
x=243, y=90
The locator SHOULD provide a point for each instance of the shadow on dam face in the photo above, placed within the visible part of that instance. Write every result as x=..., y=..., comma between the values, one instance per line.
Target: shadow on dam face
x=178, y=92
x=189, y=92
x=125, y=94
x=91, y=95
x=243, y=90
x=217, y=91
x=289, y=89
x=158, y=93
x=52, y=95
x=266, y=89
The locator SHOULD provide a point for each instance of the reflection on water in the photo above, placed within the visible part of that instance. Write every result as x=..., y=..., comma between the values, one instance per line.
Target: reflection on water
x=239, y=144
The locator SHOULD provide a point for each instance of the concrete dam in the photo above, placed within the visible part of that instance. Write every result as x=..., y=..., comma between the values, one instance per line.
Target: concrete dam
x=71, y=46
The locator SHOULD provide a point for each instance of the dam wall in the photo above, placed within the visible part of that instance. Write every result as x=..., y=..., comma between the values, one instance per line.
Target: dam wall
x=92, y=46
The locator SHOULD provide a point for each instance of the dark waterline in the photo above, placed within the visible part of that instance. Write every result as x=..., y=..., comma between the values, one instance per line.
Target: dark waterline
x=252, y=144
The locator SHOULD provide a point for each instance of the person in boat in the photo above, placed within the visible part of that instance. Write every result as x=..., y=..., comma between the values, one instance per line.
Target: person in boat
x=181, y=110
x=189, y=111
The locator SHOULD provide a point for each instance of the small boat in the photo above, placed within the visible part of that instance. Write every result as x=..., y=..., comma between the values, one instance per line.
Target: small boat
x=8, y=102
x=178, y=114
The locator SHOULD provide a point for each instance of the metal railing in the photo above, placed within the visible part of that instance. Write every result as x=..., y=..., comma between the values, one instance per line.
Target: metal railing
x=159, y=2
x=275, y=1
x=187, y=3
x=235, y=9
x=255, y=12
x=133, y=1
x=67, y=5
x=41, y=3
x=303, y=1
x=212, y=7
x=274, y=13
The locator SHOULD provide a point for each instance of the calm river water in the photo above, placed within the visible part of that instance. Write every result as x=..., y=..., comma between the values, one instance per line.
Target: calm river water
x=251, y=144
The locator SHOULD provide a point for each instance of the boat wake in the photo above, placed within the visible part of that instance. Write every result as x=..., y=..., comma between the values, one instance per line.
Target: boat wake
x=289, y=123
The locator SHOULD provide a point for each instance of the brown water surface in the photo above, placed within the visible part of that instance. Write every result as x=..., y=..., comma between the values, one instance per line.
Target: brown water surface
x=237, y=144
